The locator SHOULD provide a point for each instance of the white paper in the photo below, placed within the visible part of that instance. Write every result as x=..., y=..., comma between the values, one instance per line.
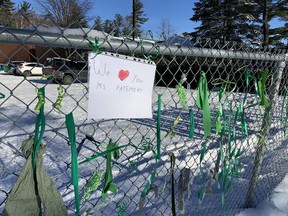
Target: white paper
x=120, y=87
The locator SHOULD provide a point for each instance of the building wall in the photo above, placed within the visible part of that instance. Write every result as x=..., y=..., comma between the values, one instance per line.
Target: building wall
x=29, y=53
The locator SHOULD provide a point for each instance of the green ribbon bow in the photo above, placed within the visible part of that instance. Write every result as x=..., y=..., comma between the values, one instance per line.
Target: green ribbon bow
x=95, y=46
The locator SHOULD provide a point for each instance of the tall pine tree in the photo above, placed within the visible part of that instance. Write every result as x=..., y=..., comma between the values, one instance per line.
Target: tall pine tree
x=98, y=23
x=6, y=11
x=241, y=20
x=25, y=15
x=140, y=19
x=274, y=9
x=118, y=24
x=225, y=20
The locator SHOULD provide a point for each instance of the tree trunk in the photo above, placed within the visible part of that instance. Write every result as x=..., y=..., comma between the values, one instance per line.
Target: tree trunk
x=265, y=23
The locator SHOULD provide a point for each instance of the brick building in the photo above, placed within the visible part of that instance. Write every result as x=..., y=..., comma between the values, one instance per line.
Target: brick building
x=29, y=53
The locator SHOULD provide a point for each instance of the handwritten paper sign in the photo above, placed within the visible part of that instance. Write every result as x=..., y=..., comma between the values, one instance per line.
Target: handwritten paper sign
x=120, y=87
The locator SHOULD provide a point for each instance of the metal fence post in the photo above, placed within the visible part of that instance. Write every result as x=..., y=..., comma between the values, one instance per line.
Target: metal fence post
x=260, y=151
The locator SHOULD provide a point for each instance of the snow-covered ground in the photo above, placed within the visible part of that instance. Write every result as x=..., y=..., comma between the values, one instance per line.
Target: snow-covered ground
x=275, y=205
x=133, y=169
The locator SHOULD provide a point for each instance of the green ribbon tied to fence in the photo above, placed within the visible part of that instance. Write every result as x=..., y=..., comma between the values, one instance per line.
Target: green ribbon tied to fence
x=182, y=95
x=191, y=123
x=202, y=102
x=58, y=102
x=158, y=131
x=108, y=185
x=149, y=57
x=262, y=88
x=39, y=127
x=41, y=99
x=95, y=46
x=74, y=161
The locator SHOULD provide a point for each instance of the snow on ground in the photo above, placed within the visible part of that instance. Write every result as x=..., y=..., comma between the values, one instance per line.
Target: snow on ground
x=133, y=169
x=275, y=205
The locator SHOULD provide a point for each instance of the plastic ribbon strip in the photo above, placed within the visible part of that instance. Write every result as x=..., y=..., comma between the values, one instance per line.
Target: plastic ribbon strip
x=262, y=88
x=38, y=134
x=2, y=95
x=74, y=162
x=202, y=102
x=107, y=151
x=247, y=81
x=41, y=99
x=243, y=105
x=112, y=148
x=225, y=84
x=57, y=104
x=182, y=95
x=158, y=132
x=123, y=205
x=149, y=57
x=151, y=179
x=229, y=158
x=94, y=183
x=171, y=131
x=108, y=185
x=148, y=185
x=218, y=124
x=39, y=128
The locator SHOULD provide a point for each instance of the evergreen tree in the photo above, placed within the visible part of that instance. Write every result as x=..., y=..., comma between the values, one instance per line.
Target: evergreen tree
x=26, y=8
x=123, y=26
x=225, y=20
x=127, y=28
x=118, y=24
x=277, y=9
x=98, y=23
x=6, y=11
x=140, y=19
x=108, y=26
x=25, y=16
x=242, y=20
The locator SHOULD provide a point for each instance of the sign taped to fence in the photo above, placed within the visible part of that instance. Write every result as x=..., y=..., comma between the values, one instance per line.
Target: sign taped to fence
x=120, y=86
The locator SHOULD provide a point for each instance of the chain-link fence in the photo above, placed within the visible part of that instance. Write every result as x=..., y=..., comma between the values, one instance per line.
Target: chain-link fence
x=236, y=166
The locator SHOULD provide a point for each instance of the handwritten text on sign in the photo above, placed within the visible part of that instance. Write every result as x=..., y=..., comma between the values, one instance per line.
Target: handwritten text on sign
x=119, y=87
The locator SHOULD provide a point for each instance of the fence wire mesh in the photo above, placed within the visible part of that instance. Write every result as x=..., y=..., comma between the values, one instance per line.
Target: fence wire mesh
x=178, y=60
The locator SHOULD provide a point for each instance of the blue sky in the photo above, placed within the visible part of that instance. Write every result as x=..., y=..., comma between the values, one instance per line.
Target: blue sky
x=178, y=12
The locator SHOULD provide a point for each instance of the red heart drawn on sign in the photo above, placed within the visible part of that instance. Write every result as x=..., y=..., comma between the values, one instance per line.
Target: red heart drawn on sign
x=123, y=74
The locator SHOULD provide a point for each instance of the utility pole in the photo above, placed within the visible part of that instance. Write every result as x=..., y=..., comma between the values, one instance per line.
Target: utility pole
x=133, y=19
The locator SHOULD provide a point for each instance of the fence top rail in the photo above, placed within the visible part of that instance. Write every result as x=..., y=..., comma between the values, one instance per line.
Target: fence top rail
x=117, y=44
